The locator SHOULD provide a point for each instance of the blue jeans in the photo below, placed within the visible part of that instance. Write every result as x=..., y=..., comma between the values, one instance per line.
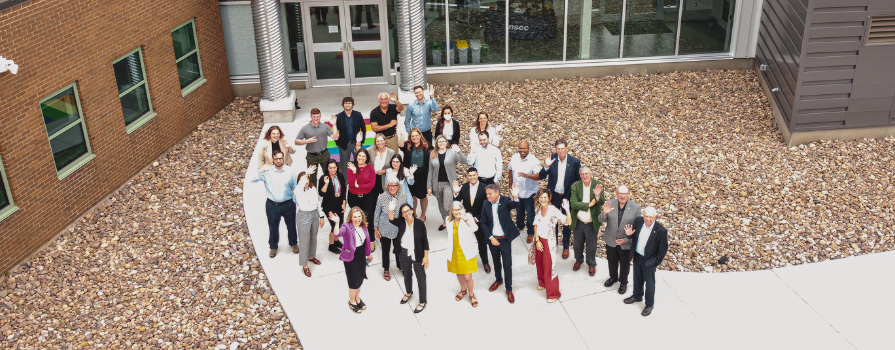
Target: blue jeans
x=526, y=218
x=643, y=275
x=286, y=211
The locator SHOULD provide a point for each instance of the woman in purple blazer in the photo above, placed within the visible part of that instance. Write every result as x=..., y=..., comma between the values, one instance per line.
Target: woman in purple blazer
x=355, y=236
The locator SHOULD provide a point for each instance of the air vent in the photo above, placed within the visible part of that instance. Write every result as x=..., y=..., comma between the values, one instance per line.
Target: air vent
x=882, y=30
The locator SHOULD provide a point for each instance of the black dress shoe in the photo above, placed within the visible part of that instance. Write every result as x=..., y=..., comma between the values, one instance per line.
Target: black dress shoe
x=631, y=300
x=623, y=288
x=609, y=283
x=440, y=228
x=487, y=268
x=646, y=311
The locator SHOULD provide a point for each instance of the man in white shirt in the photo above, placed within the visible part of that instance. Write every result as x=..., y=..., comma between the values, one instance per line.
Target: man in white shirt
x=498, y=226
x=561, y=171
x=487, y=159
x=650, y=242
x=586, y=205
x=523, y=170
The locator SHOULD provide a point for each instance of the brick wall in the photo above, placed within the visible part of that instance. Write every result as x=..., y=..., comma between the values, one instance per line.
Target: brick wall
x=57, y=42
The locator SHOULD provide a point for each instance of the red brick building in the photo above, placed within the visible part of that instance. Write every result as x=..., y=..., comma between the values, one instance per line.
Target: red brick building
x=103, y=88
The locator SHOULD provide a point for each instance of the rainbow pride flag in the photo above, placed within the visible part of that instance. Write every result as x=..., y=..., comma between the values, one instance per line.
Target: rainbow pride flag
x=368, y=140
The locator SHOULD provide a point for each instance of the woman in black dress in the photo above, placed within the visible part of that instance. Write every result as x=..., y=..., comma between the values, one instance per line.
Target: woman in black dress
x=332, y=187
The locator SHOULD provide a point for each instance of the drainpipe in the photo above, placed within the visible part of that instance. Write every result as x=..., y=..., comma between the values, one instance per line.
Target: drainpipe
x=411, y=43
x=276, y=100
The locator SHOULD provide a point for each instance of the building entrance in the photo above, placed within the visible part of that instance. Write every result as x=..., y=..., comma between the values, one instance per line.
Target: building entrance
x=348, y=42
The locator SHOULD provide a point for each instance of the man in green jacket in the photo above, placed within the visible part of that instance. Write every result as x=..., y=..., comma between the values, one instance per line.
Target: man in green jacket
x=586, y=207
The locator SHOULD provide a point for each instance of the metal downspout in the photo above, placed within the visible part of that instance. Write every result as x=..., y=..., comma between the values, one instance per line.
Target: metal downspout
x=269, y=45
x=411, y=43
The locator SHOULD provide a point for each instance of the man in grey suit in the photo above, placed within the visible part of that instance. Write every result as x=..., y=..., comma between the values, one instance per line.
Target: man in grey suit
x=618, y=213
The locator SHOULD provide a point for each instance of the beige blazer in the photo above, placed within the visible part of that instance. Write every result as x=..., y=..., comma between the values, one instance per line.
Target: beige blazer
x=264, y=154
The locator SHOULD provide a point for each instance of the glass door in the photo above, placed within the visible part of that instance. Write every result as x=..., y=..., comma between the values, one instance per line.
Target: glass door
x=348, y=42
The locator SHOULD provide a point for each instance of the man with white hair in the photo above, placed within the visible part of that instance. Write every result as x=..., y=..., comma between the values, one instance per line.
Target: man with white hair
x=650, y=241
x=618, y=246
x=586, y=204
x=384, y=119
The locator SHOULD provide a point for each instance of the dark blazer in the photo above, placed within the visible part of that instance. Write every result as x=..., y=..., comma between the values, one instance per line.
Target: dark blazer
x=438, y=131
x=420, y=238
x=476, y=208
x=656, y=246
x=486, y=222
x=345, y=136
x=572, y=175
x=331, y=203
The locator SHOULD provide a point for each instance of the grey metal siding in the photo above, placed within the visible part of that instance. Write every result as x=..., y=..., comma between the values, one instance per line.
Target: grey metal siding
x=779, y=47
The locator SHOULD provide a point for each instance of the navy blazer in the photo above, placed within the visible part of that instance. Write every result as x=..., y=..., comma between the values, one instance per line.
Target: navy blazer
x=573, y=166
x=657, y=245
x=357, y=125
x=486, y=222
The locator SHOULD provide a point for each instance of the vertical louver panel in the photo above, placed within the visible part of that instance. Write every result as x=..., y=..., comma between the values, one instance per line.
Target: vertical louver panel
x=882, y=30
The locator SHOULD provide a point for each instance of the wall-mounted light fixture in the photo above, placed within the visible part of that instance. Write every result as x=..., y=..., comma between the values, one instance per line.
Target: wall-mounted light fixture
x=8, y=65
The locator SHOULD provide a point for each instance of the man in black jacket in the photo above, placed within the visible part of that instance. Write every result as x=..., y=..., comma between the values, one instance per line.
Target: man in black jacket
x=472, y=195
x=649, y=241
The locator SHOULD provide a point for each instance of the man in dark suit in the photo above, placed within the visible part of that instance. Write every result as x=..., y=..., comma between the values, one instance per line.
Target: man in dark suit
x=649, y=239
x=499, y=228
x=350, y=126
x=561, y=171
x=472, y=195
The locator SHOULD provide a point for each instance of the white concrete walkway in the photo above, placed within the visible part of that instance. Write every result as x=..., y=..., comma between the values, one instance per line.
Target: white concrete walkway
x=837, y=304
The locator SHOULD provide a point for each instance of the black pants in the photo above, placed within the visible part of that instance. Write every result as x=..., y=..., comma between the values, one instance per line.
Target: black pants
x=503, y=258
x=385, y=244
x=406, y=264
x=367, y=203
x=556, y=200
x=643, y=275
x=486, y=180
x=358, y=9
x=619, y=263
x=285, y=210
x=483, y=246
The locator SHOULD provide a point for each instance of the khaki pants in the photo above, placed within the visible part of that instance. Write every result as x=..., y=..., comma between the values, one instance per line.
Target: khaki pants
x=392, y=143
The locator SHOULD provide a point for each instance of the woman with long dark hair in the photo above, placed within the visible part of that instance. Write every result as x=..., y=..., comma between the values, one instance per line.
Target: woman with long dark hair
x=448, y=126
x=482, y=124
x=332, y=187
x=361, y=180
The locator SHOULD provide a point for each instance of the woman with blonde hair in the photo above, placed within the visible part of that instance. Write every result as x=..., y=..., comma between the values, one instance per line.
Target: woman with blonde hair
x=442, y=173
x=463, y=260
x=355, y=250
x=381, y=157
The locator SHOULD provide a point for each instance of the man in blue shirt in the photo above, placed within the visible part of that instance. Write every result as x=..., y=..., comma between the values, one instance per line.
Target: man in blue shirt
x=650, y=242
x=279, y=183
x=419, y=112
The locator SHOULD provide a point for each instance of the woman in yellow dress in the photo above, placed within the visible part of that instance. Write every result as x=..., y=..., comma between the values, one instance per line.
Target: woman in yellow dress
x=463, y=260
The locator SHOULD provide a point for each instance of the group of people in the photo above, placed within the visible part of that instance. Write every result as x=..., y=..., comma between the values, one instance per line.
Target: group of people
x=385, y=190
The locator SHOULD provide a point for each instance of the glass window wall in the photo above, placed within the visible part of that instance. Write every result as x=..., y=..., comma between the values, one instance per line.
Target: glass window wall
x=594, y=29
x=536, y=30
x=650, y=28
x=477, y=31
x=706, y=26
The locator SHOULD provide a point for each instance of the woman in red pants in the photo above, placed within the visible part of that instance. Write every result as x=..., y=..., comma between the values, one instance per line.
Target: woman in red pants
x=546, y=219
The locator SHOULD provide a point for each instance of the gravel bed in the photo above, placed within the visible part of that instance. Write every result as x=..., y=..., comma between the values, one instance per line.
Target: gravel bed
x=166, y=262
x=703, y=148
